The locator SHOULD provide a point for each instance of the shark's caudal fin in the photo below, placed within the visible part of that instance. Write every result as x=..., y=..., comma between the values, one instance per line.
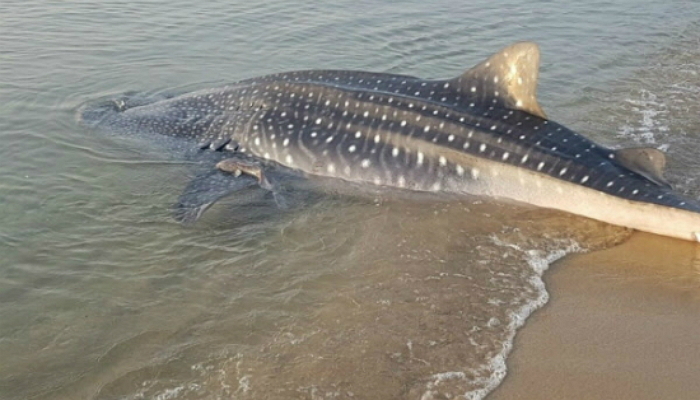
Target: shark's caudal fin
x=509, y=77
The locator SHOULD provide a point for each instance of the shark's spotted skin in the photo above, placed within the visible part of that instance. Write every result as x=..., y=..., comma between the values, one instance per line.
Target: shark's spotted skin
x=433, y=135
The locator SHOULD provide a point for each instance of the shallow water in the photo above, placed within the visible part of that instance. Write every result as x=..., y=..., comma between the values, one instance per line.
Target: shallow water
x=103, y=295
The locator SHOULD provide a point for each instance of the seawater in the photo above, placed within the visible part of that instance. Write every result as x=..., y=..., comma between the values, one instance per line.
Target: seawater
x=382, y=296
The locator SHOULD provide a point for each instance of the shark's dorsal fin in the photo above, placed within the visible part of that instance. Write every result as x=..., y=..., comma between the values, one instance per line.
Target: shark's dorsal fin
x=509, y=77
x=645, y=161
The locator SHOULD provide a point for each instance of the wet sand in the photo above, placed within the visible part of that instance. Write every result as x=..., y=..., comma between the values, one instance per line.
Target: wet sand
x=412, y=320
x=621, y=323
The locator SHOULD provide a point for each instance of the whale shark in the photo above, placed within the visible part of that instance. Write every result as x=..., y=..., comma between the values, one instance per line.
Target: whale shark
x=481, y=133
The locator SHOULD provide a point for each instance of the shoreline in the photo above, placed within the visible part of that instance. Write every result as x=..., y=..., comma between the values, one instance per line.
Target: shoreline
x=620, y=323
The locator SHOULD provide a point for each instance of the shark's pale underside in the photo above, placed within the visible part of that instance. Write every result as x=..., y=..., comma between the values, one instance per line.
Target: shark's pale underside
x=481, y=133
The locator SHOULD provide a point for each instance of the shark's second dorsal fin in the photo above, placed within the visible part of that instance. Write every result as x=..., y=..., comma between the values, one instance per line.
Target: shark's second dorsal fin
x=645, y=161
x=509, y=77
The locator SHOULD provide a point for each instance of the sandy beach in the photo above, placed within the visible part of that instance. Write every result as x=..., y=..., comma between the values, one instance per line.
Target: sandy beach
x=621, y=323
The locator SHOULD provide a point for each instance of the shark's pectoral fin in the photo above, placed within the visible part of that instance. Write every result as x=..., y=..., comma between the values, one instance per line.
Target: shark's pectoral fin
x=645, y=161
x=231, y=175
x=509, y=77
x=205, y=190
